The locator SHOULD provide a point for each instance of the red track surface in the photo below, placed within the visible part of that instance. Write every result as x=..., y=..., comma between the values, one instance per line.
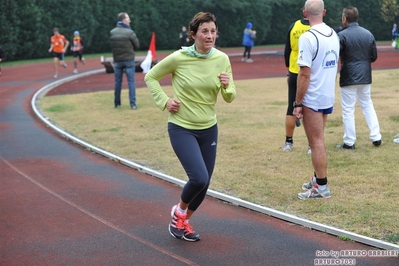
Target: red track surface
x=266, y=64
x=62, y=205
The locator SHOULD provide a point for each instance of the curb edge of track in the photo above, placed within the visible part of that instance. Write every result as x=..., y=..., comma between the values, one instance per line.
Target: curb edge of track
x=35, y=103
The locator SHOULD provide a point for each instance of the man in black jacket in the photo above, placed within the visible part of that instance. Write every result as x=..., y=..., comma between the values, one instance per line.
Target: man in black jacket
x=357, y=51
x=123, y=43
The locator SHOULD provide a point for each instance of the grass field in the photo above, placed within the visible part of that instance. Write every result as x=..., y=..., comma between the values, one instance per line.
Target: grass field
x=250, y=163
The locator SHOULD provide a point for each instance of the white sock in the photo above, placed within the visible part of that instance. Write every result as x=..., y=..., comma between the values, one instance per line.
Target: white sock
x=180, y=210
x=322, y=187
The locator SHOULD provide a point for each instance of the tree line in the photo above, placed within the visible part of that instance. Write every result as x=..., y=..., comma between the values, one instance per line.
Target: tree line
x=26, y=25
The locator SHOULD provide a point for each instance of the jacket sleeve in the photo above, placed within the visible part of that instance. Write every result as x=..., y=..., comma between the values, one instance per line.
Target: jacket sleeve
x=341, y=43
x=373, y=54
x=229, y=93
x=253, y=34
x=135, y=41
x=287, y=49
x=2, y=54
x=156, y=73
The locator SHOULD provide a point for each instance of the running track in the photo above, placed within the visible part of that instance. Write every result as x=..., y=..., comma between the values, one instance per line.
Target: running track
x=62, y=205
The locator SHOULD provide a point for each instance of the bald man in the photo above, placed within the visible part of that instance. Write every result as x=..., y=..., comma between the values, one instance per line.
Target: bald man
x=318, y=62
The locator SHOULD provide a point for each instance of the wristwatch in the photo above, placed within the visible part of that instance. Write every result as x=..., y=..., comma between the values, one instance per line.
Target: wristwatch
x=297, y=105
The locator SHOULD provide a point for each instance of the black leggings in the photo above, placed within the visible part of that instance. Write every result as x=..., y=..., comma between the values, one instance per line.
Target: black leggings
x=247, y=50
x=196, y=150
x=292, y=78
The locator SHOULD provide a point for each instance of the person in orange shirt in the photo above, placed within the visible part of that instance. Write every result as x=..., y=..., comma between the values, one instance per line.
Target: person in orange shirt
x=59, y=44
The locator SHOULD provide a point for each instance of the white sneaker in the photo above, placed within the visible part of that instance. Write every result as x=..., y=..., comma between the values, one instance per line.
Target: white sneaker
x=65, y=65
x=287, y=146
x=55, y=76
x=75, y=71
x=310, y=184
x=315, y=193
x=83, y=61
x=309, y=150
x=249, y=60
x=243, y=59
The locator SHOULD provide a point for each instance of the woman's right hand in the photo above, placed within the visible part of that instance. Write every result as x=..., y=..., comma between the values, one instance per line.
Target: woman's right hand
x=173, y=105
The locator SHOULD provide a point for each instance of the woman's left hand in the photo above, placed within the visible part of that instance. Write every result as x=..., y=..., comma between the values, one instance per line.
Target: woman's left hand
x=224, y=79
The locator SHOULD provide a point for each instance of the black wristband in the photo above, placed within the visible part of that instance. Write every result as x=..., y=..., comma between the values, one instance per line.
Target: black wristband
x=297, y=105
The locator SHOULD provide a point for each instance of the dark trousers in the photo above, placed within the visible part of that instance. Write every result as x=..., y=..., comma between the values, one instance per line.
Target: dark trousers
x=292, y=78
x=196, y=150
x=247, y=51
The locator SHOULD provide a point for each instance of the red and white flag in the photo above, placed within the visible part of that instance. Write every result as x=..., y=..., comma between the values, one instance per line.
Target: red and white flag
x=146, y=64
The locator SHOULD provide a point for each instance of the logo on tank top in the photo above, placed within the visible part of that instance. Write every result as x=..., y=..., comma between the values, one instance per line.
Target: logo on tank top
x=330, y=60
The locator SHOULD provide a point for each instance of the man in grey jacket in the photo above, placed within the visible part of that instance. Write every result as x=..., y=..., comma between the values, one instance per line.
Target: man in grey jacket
x=357, y=51
x=123, y=44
